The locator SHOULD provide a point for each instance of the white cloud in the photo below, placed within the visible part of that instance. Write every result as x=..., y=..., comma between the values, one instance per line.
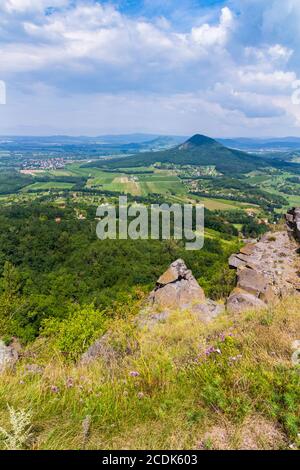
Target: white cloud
x=207, y=35
x=232, y=67
x=100, y=33
x=21, y=6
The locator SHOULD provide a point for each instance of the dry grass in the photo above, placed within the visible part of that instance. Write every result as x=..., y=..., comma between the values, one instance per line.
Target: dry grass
x=229, y=384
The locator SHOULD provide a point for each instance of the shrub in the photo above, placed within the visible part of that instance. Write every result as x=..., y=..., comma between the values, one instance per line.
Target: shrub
x=20, y=433
x=73, y=335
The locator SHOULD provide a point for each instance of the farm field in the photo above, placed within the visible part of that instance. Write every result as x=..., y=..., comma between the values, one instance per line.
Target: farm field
x=139, y=181
x=223, y=204
x=47, y=186
x=132, y=181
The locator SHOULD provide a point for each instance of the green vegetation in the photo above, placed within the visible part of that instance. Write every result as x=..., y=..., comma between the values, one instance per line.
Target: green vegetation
x=179, y=385
x=81, y=327
x=198, y=170
x=238, y=190
x=48, y=185
x=199, y=150
x=249, y=226
x=50, y=262
x=12, y=181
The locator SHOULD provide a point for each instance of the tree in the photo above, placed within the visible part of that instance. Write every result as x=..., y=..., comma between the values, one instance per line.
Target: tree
x=11, y=280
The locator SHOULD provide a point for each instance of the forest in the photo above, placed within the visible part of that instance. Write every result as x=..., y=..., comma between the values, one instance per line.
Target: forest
x=51, y=263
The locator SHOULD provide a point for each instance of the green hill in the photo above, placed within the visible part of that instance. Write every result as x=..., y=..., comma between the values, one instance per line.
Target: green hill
x=198, y=150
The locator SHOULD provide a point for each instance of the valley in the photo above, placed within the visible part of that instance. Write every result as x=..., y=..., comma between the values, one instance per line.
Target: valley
x=200, y=168
x=70, y=304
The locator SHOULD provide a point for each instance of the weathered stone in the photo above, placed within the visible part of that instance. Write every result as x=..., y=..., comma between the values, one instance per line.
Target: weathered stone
x=235, y=262
x=252, y=281
x=101, y=349
x=289, y=217
x=208, y=311
x=177, y=289
x=268, y=296
x=293, y=222
x=247, y=249
x=8, y=357
x=240, y=301
x=180, y=292
x=269, y=269
x=171, y=275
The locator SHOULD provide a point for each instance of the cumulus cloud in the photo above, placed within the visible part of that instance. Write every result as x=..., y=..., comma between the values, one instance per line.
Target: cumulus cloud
x=21, y=6
x=238, y=63
x=101, y=34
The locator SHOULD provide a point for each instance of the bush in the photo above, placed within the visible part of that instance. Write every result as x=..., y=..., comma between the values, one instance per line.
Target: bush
x=73, y=335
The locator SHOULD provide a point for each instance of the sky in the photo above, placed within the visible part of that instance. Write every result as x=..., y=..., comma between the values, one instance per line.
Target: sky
x=90, y=67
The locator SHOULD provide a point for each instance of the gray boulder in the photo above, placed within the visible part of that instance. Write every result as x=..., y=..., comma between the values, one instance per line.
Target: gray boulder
x=252, y=281
x=176, y=289
x=293, y=222
x=8, y=357
x=101, y=349
x=240, y=301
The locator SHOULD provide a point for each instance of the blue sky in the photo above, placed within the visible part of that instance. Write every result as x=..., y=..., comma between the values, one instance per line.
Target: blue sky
x=223, y=68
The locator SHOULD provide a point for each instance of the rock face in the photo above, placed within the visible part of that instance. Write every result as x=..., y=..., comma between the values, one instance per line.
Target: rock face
x=8, y=356
x=177, y=289
x=239, y=300
x=293, y=222
x=266, y=270
x=102, y=348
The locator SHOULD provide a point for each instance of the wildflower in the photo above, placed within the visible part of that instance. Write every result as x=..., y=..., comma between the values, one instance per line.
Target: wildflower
x=212, y=350
x=235, y=358
x=70, y=382
x=134, y=373
x=140, y=395
x=54, y=389
x=209, y=350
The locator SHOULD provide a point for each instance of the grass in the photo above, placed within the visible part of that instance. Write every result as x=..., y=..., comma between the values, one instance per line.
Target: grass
x=134, y=183
x=247, y=395
x=47, y=186
x=222, y=204
x=293, y=200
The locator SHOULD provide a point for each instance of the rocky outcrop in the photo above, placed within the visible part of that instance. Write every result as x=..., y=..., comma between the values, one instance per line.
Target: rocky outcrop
x=292, y=218
x=8, y=357
x=101, y=349
x=240, y=300
x=266, y=270
x=177, y=289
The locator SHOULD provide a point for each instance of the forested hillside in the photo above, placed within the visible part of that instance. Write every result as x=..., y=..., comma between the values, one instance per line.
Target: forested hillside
x=51, y=263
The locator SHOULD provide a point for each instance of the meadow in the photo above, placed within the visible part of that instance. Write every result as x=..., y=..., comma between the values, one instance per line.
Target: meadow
x=165, y=387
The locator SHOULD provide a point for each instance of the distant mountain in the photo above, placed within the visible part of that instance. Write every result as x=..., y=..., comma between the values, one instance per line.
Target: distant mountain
x=255, y=144
x=91, y=146
x=123, y=139
x=198, y=150
x=140, y=138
